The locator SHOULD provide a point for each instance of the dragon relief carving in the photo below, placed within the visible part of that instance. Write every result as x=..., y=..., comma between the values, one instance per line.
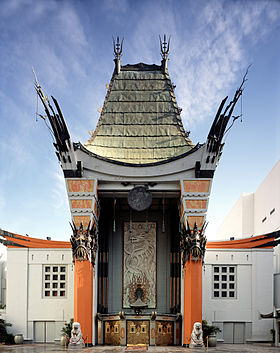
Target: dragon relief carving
x=84, y=242
x=139, y=264
x=193, y=243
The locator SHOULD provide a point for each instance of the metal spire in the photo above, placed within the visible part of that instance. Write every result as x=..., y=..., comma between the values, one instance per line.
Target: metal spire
x=117, y=47
x=164, y=47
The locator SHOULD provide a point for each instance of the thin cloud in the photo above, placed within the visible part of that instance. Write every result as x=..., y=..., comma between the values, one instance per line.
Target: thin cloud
x=2, y=203
x=223, y=38
x=59, y=195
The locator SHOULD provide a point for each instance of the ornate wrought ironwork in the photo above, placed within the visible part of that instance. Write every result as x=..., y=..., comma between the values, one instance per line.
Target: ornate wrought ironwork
x=84, y=242
x=193, y=243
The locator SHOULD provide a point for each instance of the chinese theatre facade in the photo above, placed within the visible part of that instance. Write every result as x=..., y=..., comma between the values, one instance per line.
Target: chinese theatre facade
x=138, y=192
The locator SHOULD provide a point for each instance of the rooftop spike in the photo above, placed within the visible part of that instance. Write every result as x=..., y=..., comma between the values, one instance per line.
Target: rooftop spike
x=164, y=47
x=117, y=47
x=117, y=53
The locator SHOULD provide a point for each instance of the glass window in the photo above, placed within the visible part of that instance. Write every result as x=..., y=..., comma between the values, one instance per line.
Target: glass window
x=54, y=281
x=224, y=285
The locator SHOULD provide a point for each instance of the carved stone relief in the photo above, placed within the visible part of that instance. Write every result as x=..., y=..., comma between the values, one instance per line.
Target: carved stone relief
x=139, y=264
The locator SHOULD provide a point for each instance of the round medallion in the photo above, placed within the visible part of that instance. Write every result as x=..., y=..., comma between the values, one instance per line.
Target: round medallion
x=139, y=198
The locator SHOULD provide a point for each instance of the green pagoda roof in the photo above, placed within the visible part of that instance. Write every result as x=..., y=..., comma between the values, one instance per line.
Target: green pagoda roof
x=140, y=121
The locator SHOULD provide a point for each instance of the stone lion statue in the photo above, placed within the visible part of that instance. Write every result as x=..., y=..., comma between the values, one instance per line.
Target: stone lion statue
x=76, y=335
x=197, y=335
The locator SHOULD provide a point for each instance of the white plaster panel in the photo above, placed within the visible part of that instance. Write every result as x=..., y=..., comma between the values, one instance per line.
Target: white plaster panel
x=238, y=309
x=254, y=289
x=253, y=213
x=17, y=305
x=262, y=294
x=25, y=302
x=267, y=198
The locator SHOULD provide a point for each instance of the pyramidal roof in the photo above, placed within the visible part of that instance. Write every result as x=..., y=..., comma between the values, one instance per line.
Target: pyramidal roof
x=140, y=121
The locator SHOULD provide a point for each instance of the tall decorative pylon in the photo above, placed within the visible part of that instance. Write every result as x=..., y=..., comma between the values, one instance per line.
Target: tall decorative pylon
x=193, y=245
x=194, y=200
x=84, y=205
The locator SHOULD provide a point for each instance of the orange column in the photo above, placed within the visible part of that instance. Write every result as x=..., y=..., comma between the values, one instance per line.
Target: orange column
x=192, y=297
x=83, y=291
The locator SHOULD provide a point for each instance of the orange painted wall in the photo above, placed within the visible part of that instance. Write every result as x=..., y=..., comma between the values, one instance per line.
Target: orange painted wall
x=83, y=294
x=192, y=297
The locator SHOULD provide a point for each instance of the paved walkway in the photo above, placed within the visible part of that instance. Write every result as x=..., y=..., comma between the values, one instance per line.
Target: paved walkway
x=221, y=348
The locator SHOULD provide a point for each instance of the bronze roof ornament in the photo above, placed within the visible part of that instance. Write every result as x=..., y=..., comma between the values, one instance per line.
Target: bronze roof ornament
x=164, y=47
x=118, y=54
x=118, y=48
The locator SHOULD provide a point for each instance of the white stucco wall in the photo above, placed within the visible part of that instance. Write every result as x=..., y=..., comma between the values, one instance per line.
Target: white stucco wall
x=267, y=198
x=25, y=301
x=240, y=221
x=16, y=310
x=254, y=290
x=253, y=213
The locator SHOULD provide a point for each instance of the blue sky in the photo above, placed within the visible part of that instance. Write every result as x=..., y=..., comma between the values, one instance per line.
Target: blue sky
x=69, y=44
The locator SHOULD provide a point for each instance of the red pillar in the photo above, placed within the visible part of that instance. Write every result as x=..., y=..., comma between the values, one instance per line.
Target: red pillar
x=192, y=297
x=83, y=291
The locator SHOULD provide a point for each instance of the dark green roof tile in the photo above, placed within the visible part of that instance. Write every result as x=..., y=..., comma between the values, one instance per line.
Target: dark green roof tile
x=140, y=120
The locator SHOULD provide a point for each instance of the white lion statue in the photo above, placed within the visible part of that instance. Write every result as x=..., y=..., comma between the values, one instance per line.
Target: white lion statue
x=76, y=335
x=197, y=335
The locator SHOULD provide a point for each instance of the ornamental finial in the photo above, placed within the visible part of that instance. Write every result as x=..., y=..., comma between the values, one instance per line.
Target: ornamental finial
x=117, y=47
x=164, y=47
